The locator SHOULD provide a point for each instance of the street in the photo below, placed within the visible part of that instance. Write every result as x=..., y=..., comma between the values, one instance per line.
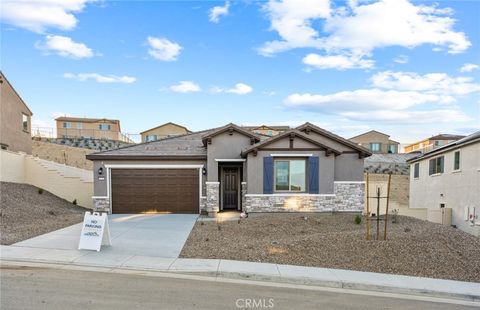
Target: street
x=44, y=288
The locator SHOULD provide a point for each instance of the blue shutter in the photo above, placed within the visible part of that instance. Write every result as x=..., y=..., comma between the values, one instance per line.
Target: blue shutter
x=313, y=187
x=268, y=175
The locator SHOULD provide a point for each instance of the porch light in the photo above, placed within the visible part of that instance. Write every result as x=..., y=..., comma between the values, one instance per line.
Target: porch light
x=100, y=171
x=204, y=171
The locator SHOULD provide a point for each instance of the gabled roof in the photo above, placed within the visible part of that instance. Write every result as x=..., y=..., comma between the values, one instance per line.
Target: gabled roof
x=230, y=128
x=2, y=78
x=473, y=138
x=309, y=126
x=169, y=123
x=371, y=131
x=273, y=127
x=446, y=136
x=293, y=133
x=86, y=119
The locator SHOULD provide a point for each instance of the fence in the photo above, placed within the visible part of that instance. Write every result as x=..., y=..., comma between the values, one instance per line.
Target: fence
x=49, y=132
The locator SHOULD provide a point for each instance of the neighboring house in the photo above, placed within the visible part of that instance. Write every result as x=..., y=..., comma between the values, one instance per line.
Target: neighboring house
x=93, y=128
x=15, y=119
x=376, y=142
x=163, y=131
x=267, y=130
x=306, y=169
x=432, y=143
x=449, y=177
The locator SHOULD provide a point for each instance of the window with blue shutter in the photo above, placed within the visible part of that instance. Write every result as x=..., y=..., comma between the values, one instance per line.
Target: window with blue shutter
x=313, y=186
x=268, y=175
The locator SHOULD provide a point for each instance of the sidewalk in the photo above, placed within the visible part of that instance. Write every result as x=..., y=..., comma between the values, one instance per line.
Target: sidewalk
x=335, y=278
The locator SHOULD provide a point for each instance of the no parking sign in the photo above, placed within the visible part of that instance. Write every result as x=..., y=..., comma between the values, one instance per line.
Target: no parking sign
x=95, y=231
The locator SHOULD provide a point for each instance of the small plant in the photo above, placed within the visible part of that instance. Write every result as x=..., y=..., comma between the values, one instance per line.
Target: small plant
x=358, y=219
x=74, y=201
x=40, y=191
x=51, y=212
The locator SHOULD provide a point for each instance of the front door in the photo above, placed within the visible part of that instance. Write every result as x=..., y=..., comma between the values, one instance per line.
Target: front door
x=230, y=188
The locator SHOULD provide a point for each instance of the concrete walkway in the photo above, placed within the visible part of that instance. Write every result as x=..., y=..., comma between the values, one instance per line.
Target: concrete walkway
x=335, y=278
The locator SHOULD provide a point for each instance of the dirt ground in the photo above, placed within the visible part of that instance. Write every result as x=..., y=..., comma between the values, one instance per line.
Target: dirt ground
x=414, y=247
x=24, y=213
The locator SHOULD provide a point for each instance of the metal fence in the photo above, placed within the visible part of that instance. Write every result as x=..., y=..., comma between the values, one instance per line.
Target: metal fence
x=49, y=132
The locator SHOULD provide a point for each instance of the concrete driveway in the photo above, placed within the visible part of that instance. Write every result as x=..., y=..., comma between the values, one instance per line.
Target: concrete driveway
x=155, y=235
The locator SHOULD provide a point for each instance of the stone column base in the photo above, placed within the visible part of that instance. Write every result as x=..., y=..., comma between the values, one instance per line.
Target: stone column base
x=101, y=204
x=213, y=198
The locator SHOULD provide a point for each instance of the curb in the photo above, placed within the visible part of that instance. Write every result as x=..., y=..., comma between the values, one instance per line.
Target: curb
x=347, y=285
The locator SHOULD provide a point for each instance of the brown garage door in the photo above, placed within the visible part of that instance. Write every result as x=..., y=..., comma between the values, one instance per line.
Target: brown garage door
x=155, y=190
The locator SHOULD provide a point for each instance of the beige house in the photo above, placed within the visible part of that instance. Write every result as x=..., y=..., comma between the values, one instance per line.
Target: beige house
x=163, y=131
x=432, y=143
x=448, y=177
x=267, y=130
x=94, y=128
x=377, y=142
x=15, y=120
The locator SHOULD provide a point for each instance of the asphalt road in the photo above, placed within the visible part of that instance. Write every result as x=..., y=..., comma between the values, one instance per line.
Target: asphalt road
x=44, y=288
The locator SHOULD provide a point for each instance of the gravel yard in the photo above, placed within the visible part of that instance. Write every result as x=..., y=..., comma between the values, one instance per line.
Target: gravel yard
x=24, y=213
x=414, y=247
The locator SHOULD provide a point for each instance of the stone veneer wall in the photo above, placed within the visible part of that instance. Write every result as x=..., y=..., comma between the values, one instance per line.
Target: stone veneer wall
x=348, y=196
x=213, y=197
x=101, y=204
x=203, y=204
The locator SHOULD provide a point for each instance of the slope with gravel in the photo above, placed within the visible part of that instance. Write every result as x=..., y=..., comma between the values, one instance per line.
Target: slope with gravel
x=414, y=247
x=25, y=213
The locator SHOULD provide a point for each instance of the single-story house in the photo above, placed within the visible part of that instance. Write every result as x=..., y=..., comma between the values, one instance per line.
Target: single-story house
x=306, y=169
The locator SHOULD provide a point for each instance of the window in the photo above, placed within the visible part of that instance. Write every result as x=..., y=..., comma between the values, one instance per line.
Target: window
x=456, y=160
x=392, y=148
x=149, y=138
x=436, y=165
x=104, y=126
x=416, y=170
x=25, y=122
x=67, y=125
x=79, y=125
x=290, y=175
x=375, y=147
x=270, y=133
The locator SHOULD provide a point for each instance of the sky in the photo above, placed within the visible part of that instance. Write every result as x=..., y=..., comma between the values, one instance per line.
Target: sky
x=409, y=69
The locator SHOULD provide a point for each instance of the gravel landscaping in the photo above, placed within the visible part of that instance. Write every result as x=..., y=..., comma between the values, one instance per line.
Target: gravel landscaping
x=414, y=247
x=25, y=213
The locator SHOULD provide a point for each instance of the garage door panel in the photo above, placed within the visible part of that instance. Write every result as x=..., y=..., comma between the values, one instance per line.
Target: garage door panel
x=155, y=190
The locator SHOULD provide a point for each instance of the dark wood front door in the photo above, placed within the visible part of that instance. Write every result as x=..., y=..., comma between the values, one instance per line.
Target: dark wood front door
x=230, y=188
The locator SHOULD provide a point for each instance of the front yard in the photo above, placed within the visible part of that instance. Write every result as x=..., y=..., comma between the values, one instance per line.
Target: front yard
x=414, y=247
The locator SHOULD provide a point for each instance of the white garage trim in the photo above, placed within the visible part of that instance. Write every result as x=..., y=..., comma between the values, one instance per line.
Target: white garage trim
x=143, y=166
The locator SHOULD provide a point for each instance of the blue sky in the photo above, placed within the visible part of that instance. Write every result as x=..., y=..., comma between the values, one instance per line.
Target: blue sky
x=410, y=69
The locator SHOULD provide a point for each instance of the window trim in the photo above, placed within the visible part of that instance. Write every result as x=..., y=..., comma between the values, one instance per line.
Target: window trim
x=67, y=125
x=23, y=123
x=435, y=172
x=79, y=125
x=416, y=170
x=379, y=146
x=304, y=159
x=459, y=161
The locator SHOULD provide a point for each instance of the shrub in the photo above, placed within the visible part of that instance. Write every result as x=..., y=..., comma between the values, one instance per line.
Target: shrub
x=358, y=219
x=40, y=191
x=74, y=201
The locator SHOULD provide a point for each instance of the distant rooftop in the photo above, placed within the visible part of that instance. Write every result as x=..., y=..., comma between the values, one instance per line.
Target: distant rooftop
x=85, y=119
x=446, y=136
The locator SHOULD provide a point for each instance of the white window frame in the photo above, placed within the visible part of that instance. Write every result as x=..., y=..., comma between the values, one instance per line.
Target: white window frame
x=67, y=125
x=459, y=161
x=79, y=125
x=25, y=120
x=108, y=127
x=379, y=146
x=305, y=190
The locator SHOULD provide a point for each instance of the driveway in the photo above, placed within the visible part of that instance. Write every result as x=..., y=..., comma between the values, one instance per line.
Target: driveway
x=156, y=235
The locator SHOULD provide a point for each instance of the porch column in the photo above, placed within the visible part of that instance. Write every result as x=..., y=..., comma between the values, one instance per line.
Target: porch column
x=213, y=197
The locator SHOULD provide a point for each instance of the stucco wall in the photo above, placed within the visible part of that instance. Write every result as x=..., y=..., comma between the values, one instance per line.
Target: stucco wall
x=11, y=125
x=165, y=131
x=224, y=146
x=348, y=167
x=374, y=137
x=65, y=182
x=456, y=190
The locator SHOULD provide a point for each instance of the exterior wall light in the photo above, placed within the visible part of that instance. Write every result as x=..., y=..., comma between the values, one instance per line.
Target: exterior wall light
x=100, y=171
x=204, y=171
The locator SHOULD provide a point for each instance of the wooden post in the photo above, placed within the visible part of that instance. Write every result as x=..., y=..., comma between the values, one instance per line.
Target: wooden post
x=378, y=212
x=386, y=210
x=367, y=221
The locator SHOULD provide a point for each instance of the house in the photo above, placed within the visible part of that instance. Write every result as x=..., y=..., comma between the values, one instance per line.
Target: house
x=163, y=131
x=15, y=119
x=432, y=143
x=266, y=130
x=449, y=177
x=305, y=169
x=93, y=128
x=377, y=142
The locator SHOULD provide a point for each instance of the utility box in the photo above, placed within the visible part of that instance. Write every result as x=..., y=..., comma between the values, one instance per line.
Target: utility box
x=441, y=215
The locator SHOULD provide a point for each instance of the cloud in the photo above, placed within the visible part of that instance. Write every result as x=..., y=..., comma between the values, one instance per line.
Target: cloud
x=217, y=11
x=239, y=89
x=339, y=62
x=401, y=59
x=469, y=67
x=434, y=83
x=37, y=16
x=65, y=47
x=360, y=28
x=163, y=49
x=100, y=78
x=185, y=87
x=410, y=117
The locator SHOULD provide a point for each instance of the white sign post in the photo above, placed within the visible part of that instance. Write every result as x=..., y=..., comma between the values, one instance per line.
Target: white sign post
x=95, y=231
